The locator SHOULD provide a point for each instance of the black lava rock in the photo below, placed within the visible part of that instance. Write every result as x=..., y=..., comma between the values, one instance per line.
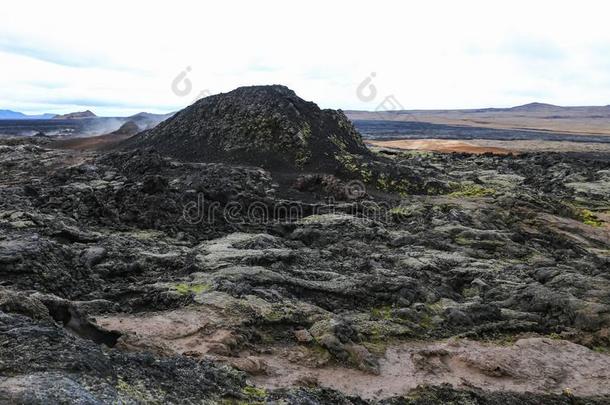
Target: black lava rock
x=267, y=126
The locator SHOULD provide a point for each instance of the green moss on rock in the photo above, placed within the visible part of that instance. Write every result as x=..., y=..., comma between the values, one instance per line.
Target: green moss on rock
x=589, y=218
x=472, y=190
x=186, y=289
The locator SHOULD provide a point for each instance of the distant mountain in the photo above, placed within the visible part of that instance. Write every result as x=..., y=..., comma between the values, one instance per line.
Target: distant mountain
x=146, y=115
x=148, y=120
x=535, y=107
x=14, y=115
x=129, y=128
x=76, y=115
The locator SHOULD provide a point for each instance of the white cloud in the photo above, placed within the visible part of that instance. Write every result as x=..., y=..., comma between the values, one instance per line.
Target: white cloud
x=121, y=57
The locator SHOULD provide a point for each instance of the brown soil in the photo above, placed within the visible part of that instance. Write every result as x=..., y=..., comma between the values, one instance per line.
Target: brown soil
x=187, y=331
x=440, y=145
x=537, y=365
x=477, y=146
x=90, y=143
x=530, y=365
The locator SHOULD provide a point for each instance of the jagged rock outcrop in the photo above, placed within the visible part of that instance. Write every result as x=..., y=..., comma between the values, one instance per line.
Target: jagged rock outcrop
x=267, y=126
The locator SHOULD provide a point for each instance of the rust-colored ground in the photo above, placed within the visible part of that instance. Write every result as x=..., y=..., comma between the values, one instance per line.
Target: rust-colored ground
x=440, y=145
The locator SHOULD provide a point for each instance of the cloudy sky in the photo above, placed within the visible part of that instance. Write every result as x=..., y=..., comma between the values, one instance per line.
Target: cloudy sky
x=120, y=57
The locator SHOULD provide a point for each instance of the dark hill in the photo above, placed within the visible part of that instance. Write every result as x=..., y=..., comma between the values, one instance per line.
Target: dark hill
x=535, y=107
x=128, y=128
x=76, y=115
x=268, y=126
x=146, y=120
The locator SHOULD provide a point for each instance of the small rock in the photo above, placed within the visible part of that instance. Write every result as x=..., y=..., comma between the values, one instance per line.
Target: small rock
x=252, y=365
x=303, y=336
x=308, y=380
x=400, y=241
x=93, y=256
x=362, y=358
x=457, y=317
x=219, y=349
x=480, y=284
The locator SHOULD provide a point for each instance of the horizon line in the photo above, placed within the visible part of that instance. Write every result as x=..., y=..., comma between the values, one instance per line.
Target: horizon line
x=534, y=103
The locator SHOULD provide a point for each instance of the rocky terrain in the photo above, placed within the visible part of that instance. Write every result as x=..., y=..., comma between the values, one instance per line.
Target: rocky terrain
x=268, y=126
x=148, y=275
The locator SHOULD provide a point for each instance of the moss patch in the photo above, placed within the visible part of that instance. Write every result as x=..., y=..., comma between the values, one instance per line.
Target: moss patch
x=139, y=392
x=472, y=190
x=576, y=210
x=255, y=394
x=384, y=312
x=385, y=183
x=588, y=218
x=186, y=289
x=402, y=212
x=352, y=164
x=470, y=292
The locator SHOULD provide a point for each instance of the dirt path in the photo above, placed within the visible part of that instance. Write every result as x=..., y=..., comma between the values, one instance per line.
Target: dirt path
x=530, y=365
x=537, y=365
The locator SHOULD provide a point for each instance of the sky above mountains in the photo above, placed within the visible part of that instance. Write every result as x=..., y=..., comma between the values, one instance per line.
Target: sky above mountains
x=119, y=58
